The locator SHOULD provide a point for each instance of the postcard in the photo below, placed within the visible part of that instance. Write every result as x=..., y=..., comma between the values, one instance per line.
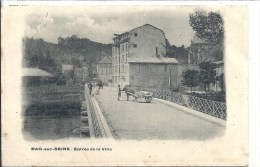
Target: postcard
x=124, y=84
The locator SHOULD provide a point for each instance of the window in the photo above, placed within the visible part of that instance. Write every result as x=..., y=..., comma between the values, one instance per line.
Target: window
x=123, y=58
x=156, y=50
x=135, y=45
x=123, y=78
x=123, y=68
x=126, y=58
x=165, y=68
x=135, y=34
x=137, y=68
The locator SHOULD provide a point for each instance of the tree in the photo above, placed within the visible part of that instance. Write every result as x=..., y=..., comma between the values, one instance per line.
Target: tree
x=190, y=78
x=208, y=26
x=207, y=74
x=221, y=82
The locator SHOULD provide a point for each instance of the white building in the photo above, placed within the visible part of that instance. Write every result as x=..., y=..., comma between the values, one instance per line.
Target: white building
x=138, y=58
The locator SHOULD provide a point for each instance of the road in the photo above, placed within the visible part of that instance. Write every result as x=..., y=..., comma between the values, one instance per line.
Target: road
x=133, y=120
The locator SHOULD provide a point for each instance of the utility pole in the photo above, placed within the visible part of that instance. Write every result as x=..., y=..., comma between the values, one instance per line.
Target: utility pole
x=119, y=79
x=170, y=77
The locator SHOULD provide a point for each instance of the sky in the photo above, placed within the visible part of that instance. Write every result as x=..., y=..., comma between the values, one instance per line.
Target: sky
x=100, y=23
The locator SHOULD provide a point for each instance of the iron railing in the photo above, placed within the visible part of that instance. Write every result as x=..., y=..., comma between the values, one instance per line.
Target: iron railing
x=213, y=108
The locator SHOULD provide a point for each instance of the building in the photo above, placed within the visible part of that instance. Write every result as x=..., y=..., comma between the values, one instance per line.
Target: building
x=81, y=74
x=67, y=69
x=138, y=59
x=219, y=72
x=200, y=51
x=34, y=76
x=104, y=70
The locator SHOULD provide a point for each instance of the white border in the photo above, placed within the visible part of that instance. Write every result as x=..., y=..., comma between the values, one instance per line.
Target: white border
x=254, y=53
x=254, y=98
x=116, y=2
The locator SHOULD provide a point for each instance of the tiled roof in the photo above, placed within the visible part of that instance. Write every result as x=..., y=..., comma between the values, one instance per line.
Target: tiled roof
x=67, y=67
x=153, y=59
x=35, y=72
x=128, y=34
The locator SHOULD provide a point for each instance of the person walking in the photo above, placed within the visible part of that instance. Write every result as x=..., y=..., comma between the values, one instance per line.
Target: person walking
x=119, y=93
x=90, y=86
x=99, y=84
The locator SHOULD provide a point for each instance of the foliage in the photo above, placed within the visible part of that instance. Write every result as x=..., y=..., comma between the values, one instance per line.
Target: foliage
x=207, y=74
x=37, y=54
x=221, y=82
x=214, y=96
x=69, y=50
x=61, y=80
x=54, y=108
x=208, y=26
x=179, y=53
x=190, y=78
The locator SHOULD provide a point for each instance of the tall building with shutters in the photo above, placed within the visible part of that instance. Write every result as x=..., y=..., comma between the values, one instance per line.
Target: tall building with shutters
x=139, y=59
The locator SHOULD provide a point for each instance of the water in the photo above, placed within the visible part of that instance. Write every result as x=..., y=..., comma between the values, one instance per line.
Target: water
x=51, y=127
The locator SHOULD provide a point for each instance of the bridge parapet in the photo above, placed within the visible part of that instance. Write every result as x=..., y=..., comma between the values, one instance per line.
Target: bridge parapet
x=98, y=127
x=210, y=107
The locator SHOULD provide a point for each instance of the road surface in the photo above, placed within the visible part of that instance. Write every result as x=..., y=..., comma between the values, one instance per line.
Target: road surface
x=133, y=120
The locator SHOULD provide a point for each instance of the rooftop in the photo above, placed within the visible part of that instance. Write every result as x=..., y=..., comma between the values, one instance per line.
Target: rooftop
x=125, y=35
x=67, y=66
x=153, y=59
x=35, y=72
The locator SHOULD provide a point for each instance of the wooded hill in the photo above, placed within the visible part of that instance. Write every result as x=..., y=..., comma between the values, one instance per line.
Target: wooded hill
x=71, y=50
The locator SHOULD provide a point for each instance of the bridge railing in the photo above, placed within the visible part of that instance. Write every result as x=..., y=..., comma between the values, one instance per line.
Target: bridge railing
x=213, y=108
x=97, y=124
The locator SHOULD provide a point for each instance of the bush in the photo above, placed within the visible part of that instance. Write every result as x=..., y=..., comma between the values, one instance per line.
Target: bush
x=62, y=108
x=214, y=96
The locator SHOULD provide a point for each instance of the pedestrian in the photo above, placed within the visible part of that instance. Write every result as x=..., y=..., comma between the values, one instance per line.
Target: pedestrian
x=90, y=86
x=99, y=84
x=119, y=93
x=102, y=84
x=126, y=92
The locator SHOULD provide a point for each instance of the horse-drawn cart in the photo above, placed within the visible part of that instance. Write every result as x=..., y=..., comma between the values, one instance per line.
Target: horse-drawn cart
x=139, y=95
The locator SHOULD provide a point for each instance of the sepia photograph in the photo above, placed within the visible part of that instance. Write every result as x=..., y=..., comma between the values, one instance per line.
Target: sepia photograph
x=128, y=75
x=125, y=85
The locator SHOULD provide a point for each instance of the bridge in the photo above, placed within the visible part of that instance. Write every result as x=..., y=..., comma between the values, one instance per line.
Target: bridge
x=160, y=119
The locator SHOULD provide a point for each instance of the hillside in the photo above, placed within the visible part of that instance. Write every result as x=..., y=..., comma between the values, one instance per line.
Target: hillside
x=50, y=56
